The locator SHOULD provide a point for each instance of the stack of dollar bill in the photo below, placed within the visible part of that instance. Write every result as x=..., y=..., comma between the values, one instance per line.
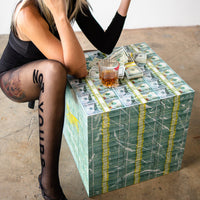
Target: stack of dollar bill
x=132, y=71
x=128, y=134
x=140, y=57
x=125, y=59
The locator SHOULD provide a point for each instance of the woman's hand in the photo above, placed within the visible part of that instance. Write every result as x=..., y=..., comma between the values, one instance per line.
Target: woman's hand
x=57, y=7
x=123, y=8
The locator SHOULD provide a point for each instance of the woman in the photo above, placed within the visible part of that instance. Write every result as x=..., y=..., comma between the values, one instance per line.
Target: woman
x=41, y=51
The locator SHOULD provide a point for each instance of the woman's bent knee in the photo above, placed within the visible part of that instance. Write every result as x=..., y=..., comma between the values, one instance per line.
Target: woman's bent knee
x=55, y=70
x=51, y=75
x=49, y=71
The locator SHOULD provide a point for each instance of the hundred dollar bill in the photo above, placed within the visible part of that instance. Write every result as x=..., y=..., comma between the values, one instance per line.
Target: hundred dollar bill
x=94, y=72
x=93, y=63
x=121, y=72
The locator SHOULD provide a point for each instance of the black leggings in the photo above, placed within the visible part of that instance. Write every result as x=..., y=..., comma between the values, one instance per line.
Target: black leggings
x=44, y=80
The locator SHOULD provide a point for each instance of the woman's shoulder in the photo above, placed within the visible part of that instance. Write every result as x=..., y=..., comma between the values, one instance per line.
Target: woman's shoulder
x=28, y=19
x=30, y=14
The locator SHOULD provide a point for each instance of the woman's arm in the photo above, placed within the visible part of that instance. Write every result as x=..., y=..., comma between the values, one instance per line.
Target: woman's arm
x=67, y=51
x=106, y=40
x=123, y=8
x=72, y=52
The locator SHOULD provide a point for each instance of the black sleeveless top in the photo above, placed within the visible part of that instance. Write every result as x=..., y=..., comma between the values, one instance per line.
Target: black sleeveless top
x=18, y=52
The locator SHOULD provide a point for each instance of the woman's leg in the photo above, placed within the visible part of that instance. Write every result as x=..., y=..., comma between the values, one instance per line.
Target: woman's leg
x=44, y=80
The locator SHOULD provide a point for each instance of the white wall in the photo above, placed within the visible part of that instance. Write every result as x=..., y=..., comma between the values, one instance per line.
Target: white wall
x=142, y=13
x=6, y=9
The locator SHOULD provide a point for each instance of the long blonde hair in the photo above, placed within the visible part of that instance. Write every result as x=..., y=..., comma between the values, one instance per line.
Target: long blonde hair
x=72, y=11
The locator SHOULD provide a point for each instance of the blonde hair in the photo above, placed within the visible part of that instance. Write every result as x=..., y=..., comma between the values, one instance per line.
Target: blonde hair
x=71, y=9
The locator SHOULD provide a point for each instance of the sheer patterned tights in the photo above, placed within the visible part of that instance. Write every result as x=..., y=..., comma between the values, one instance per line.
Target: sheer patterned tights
x=44, y=80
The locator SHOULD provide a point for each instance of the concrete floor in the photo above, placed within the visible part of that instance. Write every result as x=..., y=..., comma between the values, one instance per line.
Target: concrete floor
x=19, y=151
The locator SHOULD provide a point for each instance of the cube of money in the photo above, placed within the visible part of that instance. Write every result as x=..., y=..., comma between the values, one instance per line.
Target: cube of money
x=135, y=132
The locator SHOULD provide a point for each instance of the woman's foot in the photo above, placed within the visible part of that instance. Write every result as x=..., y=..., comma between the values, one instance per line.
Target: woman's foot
x=61, y=195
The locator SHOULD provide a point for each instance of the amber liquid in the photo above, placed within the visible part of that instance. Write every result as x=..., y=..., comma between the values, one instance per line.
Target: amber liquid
x=109, y=78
